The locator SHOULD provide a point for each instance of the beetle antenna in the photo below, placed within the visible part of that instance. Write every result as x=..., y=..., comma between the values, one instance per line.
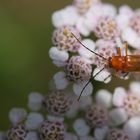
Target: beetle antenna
x=83, y=90
x=88, y=48
x=89, y=82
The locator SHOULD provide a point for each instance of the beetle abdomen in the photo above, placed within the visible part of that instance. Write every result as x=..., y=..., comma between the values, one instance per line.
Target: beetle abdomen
x=132, y=63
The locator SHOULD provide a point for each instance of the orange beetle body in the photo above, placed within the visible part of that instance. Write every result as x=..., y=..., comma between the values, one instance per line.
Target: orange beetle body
x=128, y=63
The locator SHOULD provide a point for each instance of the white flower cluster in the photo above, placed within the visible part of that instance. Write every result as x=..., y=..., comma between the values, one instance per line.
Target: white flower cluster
x=107, y=116
x=109, y=28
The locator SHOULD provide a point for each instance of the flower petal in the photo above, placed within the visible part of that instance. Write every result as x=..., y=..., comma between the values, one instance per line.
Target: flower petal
x=132, y=128
x=118, y=96
x=104, y=98
x=118, y=116
x=77, y=88
x=81, y=128
x=60, y=80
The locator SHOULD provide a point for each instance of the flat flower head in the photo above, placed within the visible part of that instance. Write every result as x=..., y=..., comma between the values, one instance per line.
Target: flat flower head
x=64, y=40
x=78, y=69
x=107, y=28
x=17, y=132
x=51, y=130
x=57, y=103
x=96, y=116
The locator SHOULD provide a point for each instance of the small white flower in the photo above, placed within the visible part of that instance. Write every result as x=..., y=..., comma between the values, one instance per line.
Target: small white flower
x=70, y=136
x=100, y=133
x=77, y=88
x=118, y=116
x=118, y=96
x=125, y=9
x=81, y=128
x=60, y=80
x=132, y=128
x=82, y=26
x=72, y=112
x=135, y=88
x=89, y=44
x=17, y=115
x=32, y=136
x=59, y=55
x=104, y=98
x=35, y=101
x=109, y=10
x=34, y=120
x=102, y=75
x=127, y=100
x=66, y=16
x=84, y=102
x=131, y=37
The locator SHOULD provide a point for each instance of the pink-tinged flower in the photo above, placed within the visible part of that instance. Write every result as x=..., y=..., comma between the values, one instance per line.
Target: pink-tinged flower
x=17, y=132
x=51, y=130
x=107, y=28
x=57, y=103
x=83, y=14
x=66, y=16
x=86, y=23
x=83, y=6
x=106, y=49
x=129, y=22
x=117, y=134
x=128, y=101
x=64, y=40
x=78, y=70
x=96, y=116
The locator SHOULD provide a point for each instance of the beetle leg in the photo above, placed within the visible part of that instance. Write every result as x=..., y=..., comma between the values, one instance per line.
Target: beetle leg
x=126, y=74
x=107, y=77
x=126, y=48
x=119, y=51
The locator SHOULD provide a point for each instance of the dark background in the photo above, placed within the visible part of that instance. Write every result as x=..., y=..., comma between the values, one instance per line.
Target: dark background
x=25, y=38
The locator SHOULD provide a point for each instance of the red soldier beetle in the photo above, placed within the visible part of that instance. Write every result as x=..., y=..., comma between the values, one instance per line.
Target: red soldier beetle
x=125, y=64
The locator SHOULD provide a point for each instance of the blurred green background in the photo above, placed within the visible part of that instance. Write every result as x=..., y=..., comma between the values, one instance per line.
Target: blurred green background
x=25, y=38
